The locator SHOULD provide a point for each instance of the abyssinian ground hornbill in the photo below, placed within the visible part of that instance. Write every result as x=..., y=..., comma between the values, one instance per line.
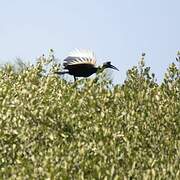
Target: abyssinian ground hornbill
x=82, y=63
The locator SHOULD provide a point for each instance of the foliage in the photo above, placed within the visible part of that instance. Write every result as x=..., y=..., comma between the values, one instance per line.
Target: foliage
x=91, y=129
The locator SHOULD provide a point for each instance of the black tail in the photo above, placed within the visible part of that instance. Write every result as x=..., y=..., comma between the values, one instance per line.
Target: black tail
x=62, y=72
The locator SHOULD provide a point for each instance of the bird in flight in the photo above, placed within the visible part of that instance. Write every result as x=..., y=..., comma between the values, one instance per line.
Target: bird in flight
x=82, y=63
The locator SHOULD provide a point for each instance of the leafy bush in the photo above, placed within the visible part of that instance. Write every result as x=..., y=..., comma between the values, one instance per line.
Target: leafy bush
x=91, y=129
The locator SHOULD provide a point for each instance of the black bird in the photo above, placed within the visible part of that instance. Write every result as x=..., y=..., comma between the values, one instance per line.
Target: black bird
x=82, y=63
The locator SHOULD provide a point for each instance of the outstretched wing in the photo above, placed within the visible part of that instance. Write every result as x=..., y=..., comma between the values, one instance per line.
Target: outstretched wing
x=80, y=57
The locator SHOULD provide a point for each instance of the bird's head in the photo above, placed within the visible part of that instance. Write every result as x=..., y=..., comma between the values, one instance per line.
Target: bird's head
x=109, y=65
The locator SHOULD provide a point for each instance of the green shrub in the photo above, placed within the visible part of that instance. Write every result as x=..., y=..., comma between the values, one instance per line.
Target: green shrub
x=91, y=129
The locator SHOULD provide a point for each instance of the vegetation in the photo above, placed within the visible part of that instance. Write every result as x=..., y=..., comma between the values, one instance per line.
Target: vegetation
x=51, y=128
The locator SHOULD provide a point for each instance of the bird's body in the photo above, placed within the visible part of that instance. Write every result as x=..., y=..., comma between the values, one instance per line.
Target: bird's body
x=81, y=70
x=82, y=63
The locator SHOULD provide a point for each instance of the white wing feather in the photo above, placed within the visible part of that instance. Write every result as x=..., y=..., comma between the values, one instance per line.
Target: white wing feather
x=82, y=56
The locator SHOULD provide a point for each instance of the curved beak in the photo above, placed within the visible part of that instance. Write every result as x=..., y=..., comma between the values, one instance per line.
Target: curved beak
x=113, y=67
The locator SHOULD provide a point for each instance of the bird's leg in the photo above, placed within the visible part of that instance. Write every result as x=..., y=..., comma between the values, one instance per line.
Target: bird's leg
x=75, y=79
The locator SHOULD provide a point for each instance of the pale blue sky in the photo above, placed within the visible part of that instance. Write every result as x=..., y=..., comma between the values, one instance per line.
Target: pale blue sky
x=119, y=30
